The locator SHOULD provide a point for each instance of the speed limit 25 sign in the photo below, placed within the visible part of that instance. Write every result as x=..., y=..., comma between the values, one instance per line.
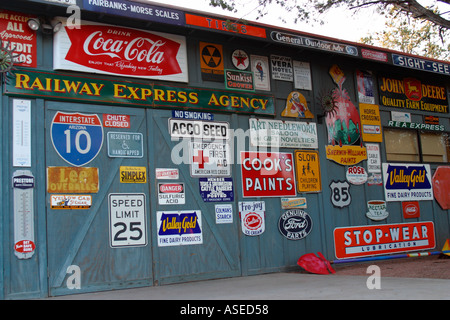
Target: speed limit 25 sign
x=127, y=217
x=77, y=137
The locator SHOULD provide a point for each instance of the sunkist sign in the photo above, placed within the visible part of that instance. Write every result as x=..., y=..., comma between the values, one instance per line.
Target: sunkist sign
x=51, y=85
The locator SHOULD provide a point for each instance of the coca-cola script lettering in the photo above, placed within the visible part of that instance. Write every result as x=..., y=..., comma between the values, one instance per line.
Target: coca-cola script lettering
x=122, y=51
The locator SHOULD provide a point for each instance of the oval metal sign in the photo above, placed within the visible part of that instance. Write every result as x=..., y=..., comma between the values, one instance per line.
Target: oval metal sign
x=295, y=224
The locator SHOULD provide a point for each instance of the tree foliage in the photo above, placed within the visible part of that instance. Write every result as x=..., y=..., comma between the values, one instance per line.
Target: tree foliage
x=411, y=36
x=309, y=11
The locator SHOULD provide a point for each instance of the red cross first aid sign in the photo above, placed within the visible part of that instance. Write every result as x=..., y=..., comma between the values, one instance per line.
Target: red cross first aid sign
x=210, y=159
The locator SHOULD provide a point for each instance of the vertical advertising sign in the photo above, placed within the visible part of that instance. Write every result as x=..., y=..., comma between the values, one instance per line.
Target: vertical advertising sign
x=252, y=215
x=370, y=122
x=24, y=242
x=21, y=40
x=308, y=171
x=211, y=62
x=127, y=220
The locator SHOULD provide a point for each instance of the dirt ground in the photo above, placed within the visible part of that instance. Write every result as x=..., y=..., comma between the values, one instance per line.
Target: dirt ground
x=435, y=267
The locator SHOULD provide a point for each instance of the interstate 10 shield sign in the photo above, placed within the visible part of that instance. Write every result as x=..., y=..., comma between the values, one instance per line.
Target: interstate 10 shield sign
x=77, y=137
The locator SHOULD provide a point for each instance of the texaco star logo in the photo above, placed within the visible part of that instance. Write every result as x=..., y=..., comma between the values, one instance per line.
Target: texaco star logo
x=240, y=59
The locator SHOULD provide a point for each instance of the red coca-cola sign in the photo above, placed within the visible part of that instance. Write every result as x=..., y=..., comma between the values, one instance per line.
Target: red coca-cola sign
x=411, y=209
x=120, y=51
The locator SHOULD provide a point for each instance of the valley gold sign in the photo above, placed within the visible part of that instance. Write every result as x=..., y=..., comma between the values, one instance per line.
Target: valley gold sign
x=95, y=90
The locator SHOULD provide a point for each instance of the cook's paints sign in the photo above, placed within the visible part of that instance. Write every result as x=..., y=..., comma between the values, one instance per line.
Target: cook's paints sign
x=403, y=182
x=360, y=241
x=267, y=174
x=121, y=51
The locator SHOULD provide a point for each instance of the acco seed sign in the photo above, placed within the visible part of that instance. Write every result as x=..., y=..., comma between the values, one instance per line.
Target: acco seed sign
x=121, y=51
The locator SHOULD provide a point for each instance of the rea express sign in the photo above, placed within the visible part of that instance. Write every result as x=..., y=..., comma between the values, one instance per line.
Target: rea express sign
x=107, y=49
x=267, y=174
x=361, y=241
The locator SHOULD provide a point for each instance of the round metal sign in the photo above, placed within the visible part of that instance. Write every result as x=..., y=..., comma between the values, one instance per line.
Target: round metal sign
x=240, y=59
x=77, y=137
x=295, y=224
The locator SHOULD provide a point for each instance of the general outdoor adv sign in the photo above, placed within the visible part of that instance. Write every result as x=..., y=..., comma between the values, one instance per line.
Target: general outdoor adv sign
x=267, y=174
x=68, y=201
x=362, y=241
x=411, y=93
x=406, y=182
x=198, y=129
x=346, y=155
x=176, y=228
x=113, y=50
